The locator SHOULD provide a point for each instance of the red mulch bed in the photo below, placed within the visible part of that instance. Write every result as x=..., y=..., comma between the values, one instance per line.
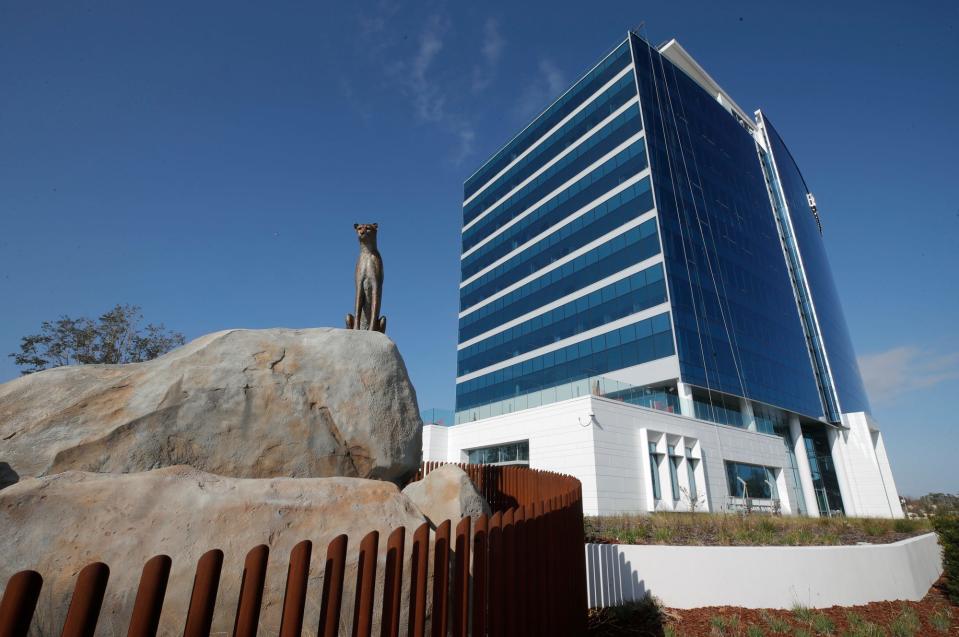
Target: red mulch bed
x=696, y=622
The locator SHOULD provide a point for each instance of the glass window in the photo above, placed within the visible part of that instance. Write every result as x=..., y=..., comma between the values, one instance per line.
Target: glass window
x=510, y=453
x=691, y=474
x=598, y=144
x=603, y=178
x=593, y=81
x=751, y=481
x=674, y=461
x=582, y=361
x=654, y=470
x=613, y=213
x=576, y=274
x=825, y=481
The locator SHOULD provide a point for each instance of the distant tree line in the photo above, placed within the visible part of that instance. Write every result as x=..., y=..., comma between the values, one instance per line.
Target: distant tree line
x=117, y=336
x=933, y=504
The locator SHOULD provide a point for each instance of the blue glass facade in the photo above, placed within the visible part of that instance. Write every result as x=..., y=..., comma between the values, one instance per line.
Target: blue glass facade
x=560, y=239
x=842, y=366
x=638, y=198
x=737, y=328
x=638, y=343
x=606, y=70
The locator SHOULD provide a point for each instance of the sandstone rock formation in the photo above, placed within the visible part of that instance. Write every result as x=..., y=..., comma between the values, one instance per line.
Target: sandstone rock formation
x=241, y=403
x=58, y=524
x=447, y=493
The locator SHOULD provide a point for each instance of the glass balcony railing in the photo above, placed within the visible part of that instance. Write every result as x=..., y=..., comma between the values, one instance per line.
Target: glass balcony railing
x=433, y=416
x=650, y=397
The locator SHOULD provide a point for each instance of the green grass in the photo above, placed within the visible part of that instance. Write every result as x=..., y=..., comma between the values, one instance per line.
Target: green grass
x=822, y=625
x=816, y=622
x=755, y=631
x=693, y=529
x=725, y=626
x=803, y=613
x=941, y=619
x=717, y=626
x=906, y=624
x=859, y=627
x=776, y=624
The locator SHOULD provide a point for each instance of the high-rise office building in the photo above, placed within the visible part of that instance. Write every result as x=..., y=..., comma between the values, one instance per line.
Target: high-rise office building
x=646, y=303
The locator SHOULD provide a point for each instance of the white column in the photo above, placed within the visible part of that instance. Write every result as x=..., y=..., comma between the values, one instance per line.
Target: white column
x=892, y=494
x=837, y=447
x=749, y=418
x=685, y=393
x=648, y=499
x=802, y=463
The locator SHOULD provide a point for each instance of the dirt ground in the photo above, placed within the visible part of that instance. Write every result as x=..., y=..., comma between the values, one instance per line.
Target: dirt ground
x=895, y=619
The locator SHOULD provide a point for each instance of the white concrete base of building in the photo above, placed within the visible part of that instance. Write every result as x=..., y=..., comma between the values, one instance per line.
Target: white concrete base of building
x=609, y=444
x=763, y=576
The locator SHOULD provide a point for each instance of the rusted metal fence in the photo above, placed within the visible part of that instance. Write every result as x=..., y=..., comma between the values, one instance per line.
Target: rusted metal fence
x=521, y=571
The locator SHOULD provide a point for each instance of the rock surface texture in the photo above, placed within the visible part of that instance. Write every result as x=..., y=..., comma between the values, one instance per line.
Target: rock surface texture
x=58, y=524
x=241, y=403
x=447, y=493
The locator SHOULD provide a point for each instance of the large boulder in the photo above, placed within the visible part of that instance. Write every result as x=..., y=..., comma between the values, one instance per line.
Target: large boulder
x=447, y=493
x=58, y=524
x=242, y=403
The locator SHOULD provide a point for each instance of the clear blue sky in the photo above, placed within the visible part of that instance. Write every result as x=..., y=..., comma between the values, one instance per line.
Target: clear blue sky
x=207, y=161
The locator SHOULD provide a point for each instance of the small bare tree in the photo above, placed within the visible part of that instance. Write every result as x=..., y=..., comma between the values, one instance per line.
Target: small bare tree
x=115, y=337
x=694, y=503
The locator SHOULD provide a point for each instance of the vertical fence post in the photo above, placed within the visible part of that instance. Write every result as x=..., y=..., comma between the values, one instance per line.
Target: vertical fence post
x=519, y=587
x=509, y=571
x=496, y=576
x=441, y=579
x=542, y=568
x=251, y=592
x=294, y=597
x=531, y=564
x=365, y=585
x=461, y=581
x=480, y=579
x=419, y=572
x=148, y=604
x=332, y=596
x=87, y=598
x=579, y=578
x=393, y=584
x=19, y=602
x=199, y=617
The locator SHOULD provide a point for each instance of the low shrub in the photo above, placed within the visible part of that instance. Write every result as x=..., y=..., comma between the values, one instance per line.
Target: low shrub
x=644, y=617
x=906, y=624
x=776, y=624
x=725, y=626
x=941, y=619
x=905, y=525
x=757, y=529
x=859, y=627
x=822, y=625
x=947, y=527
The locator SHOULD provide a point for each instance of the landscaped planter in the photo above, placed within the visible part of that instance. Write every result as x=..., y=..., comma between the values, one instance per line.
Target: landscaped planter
x=763, y=576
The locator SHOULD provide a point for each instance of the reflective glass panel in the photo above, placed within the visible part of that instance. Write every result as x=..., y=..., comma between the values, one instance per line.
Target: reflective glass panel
x=737, y=325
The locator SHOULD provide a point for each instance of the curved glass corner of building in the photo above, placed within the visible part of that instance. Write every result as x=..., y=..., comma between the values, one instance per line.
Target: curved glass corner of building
x=840, y=356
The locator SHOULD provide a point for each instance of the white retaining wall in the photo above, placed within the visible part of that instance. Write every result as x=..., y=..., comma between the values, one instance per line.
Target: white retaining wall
x=763, y=576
